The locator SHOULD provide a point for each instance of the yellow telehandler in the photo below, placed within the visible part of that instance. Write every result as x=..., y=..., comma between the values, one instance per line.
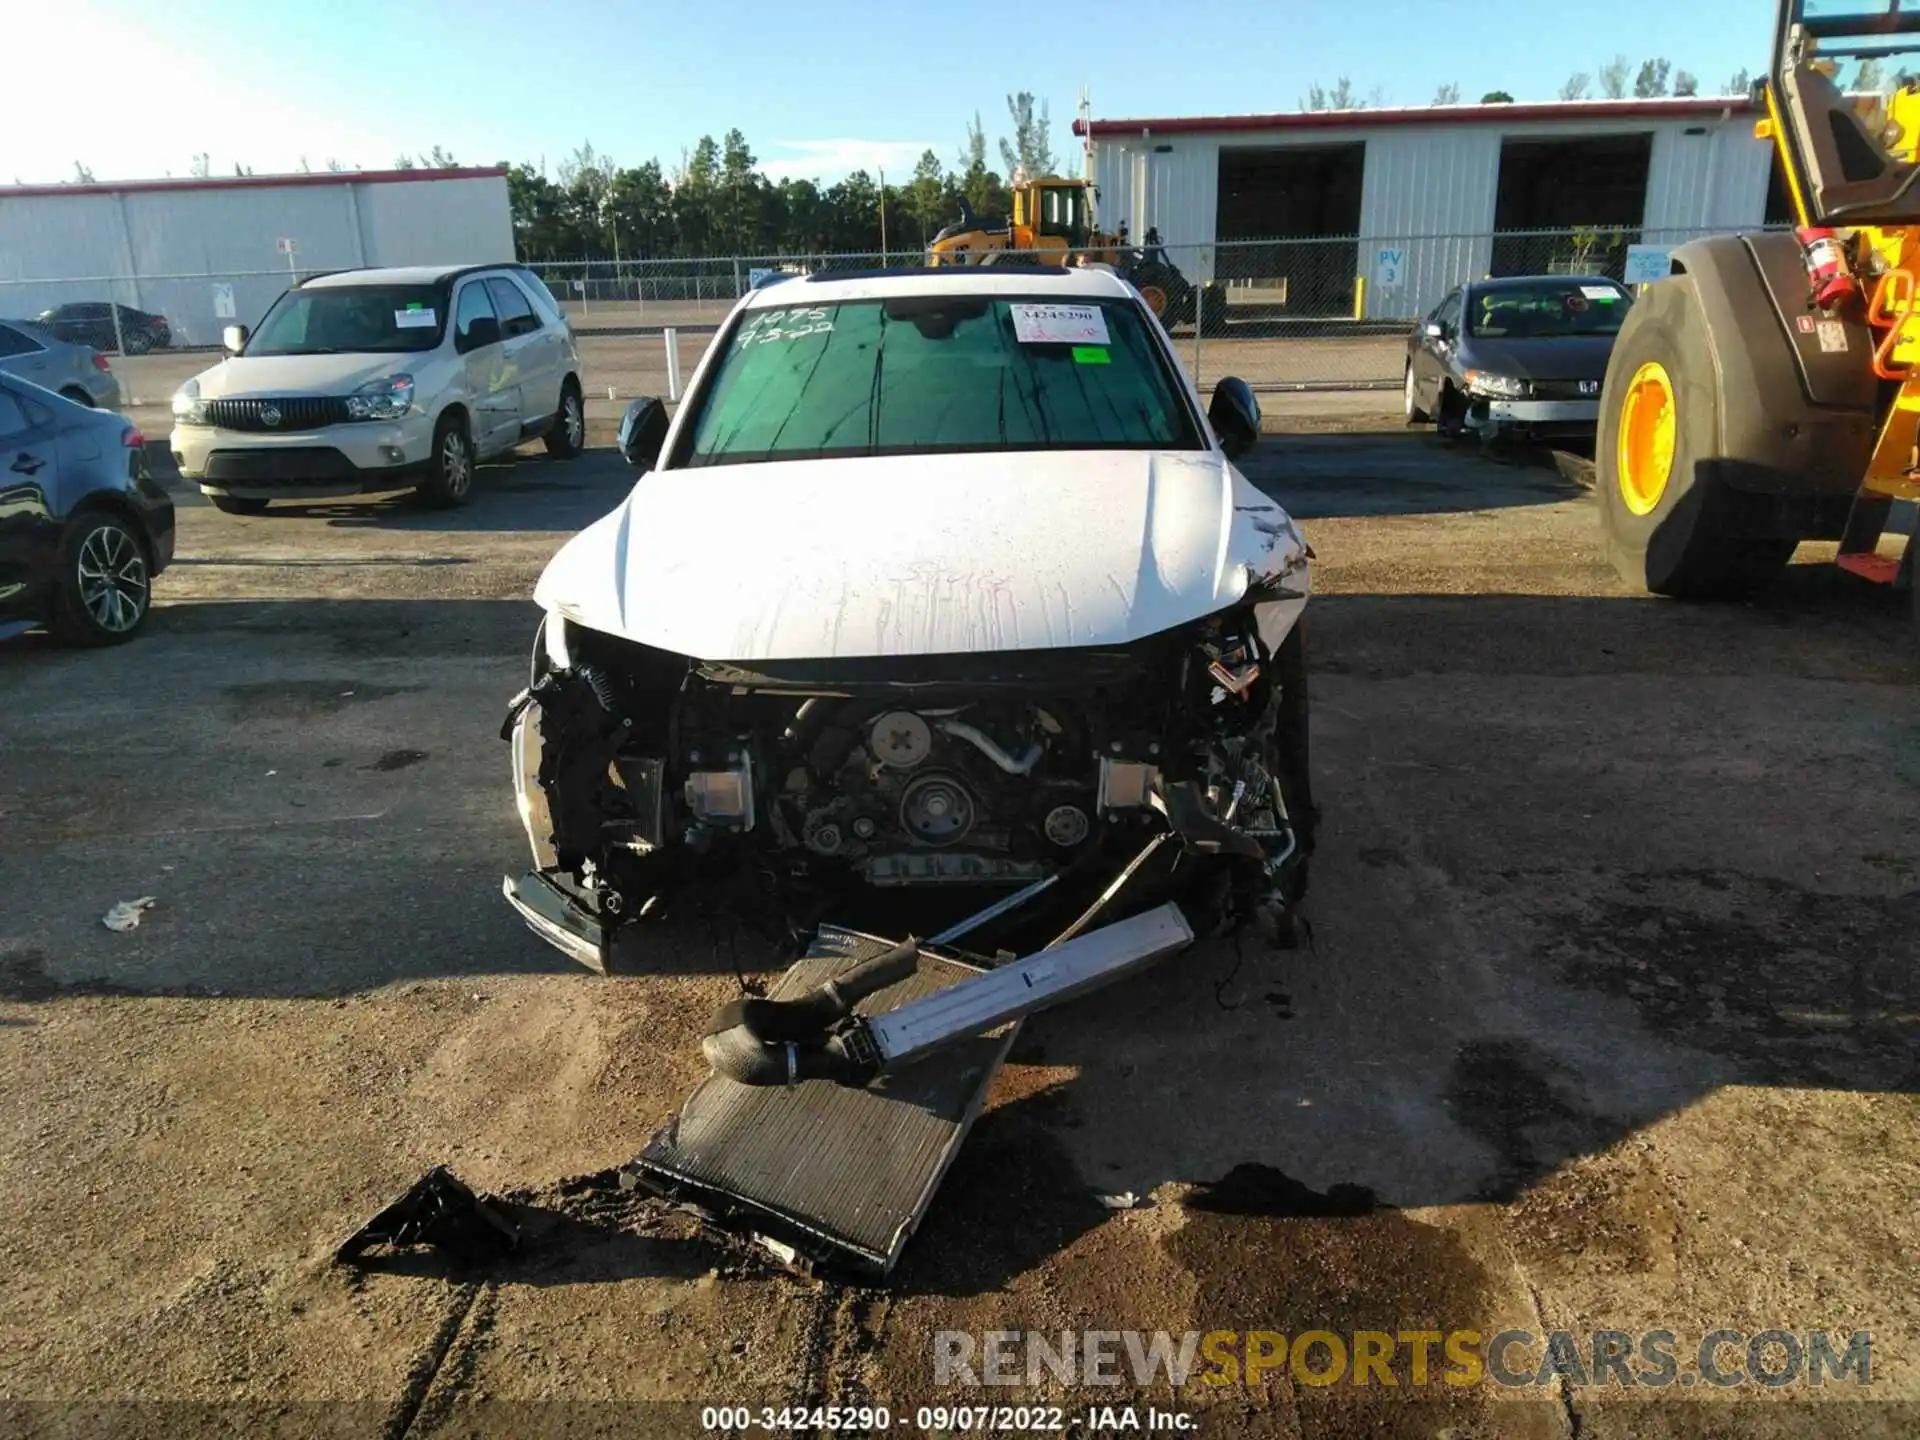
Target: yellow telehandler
x=1766, y=391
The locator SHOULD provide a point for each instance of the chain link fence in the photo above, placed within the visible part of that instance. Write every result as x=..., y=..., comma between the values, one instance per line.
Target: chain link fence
x=1299, y=315
x=140, y=314
x=1324, y=313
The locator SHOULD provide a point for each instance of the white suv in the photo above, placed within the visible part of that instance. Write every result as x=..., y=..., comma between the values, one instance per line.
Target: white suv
x=371, y=380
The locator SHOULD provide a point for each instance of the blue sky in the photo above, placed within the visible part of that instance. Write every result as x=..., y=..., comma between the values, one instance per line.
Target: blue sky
x=817, y=89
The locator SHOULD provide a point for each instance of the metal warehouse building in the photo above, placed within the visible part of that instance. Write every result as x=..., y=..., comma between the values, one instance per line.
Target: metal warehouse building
x=1380, y=212
x=206, y=252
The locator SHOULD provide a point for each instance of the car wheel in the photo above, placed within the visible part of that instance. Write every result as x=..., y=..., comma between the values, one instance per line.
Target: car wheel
x=1415, y=415
x=106, y=584
x=451, y=481
x=78, y=396
x=236, y=505
x=568, y=437
x=139, y=342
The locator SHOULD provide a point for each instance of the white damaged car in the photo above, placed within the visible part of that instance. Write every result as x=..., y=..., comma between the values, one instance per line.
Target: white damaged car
x=936, y=578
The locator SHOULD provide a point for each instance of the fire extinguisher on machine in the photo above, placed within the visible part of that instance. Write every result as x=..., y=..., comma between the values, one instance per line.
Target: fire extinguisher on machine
x=1829, y=274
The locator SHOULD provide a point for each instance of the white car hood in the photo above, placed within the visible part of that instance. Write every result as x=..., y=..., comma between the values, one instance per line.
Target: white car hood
x=928, y=555
x=246, y=376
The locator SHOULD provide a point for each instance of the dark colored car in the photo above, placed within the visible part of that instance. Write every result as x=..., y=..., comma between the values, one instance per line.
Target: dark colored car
x=1523, y=355
x=90, y=322
x=84, y=529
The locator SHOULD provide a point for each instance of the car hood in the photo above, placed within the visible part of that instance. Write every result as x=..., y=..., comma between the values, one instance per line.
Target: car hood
x=950, y=554
x=265, y=375
x=1567, y=357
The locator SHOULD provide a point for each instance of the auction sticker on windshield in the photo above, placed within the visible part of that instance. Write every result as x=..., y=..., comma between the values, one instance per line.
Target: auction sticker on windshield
x=1602, y=293
x=412, y=319
x=1059, y=324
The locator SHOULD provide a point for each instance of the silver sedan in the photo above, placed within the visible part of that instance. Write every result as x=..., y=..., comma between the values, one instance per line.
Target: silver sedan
x=78, y=372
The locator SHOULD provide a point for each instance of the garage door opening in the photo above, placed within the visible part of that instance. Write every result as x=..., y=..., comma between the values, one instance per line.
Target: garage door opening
x=1302, y=204
x=1589, y=195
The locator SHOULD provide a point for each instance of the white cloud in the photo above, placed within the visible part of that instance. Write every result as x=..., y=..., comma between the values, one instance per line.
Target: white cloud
x=832, y=160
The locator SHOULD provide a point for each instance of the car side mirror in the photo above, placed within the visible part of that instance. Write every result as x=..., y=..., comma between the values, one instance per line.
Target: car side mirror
x=234, y=338
x=1235, y=416
x=643, y=430
x=481, y=331
x=1434, y=330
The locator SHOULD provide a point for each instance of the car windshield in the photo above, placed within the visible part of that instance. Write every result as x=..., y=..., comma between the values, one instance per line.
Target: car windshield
x=350, y=319
x=939, y=374
x=1547, y=309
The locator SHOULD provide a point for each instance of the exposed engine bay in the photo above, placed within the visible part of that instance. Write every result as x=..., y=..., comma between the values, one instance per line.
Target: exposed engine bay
x=633, y=765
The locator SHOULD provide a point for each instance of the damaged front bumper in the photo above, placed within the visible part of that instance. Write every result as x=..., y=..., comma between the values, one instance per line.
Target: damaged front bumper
x=632, y=767
x=557, y=917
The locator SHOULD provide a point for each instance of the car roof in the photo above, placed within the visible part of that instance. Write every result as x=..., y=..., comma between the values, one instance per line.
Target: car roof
x=398, y=275
x=1520, y=282
x=1066, y=282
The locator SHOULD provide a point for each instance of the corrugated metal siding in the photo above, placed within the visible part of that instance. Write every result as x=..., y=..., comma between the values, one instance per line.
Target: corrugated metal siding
x=176, y=244
x=1428, y=193
x=1711, y=181
x=1176, y=191
x=1431, y=190
x=463, y=222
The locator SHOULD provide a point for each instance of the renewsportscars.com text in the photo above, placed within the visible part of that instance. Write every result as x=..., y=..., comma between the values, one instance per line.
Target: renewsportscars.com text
x=1517, y=1359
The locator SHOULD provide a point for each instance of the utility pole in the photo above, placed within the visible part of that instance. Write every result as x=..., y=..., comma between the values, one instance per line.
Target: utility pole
x=883, y=217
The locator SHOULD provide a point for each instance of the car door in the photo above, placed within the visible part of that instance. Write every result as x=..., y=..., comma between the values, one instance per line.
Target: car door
x=490, y=394
x=92, y=325
x=29, y=474
x=532, y=356
x=1437, y=350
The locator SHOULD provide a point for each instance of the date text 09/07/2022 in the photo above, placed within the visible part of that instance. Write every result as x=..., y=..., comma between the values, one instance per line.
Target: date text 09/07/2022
x=943, y=1419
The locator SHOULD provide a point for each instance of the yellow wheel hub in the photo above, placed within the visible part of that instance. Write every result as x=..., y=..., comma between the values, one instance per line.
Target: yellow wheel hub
x=1647, y=425
x=1155, y=297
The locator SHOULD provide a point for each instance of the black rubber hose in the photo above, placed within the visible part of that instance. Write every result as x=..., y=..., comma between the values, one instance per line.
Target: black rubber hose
x=776, y=1042
x=736, y=1054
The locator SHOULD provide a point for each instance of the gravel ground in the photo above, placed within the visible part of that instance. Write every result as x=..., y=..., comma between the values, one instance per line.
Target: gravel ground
x=1607, y=1022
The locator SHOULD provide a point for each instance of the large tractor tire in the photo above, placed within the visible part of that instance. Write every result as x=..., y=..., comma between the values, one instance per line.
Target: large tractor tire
x=1672, y=524
x=1213, y=311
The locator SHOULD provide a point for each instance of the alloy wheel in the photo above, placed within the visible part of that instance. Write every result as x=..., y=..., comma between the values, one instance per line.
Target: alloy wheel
x=114, y=585
x=456, y=465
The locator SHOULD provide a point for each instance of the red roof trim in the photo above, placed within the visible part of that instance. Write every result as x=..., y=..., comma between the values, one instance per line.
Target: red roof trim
x=1688, y=108
x=252, y=182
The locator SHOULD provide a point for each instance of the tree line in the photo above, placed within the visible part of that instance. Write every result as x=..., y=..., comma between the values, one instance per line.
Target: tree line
x=718, y=202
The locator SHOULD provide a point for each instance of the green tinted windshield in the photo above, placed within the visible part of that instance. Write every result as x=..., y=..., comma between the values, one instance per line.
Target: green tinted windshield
x=939, y=374
x=348, y=319
x=1547, y=309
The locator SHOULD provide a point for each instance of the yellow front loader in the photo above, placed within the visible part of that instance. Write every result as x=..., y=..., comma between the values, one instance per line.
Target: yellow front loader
x=1767, y=391
x=1053, y=223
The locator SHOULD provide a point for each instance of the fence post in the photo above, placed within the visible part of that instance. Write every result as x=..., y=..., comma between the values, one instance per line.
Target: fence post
x=1199, y=309
x=1202, y=270
x=113, y=309
x=673, y=364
